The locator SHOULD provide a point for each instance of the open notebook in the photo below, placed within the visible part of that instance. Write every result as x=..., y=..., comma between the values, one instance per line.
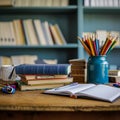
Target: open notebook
x=100, y=91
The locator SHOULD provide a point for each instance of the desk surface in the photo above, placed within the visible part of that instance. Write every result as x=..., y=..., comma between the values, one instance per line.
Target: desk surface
x=36, y=101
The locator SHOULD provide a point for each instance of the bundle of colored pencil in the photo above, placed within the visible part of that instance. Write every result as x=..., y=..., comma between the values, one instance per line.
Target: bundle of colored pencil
x=91, y=45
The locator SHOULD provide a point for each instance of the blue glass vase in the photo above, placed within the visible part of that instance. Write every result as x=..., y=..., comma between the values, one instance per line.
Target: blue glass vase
x=97, y=70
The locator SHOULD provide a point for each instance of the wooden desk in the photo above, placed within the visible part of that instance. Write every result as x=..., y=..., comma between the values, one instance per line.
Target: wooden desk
x=33, y=105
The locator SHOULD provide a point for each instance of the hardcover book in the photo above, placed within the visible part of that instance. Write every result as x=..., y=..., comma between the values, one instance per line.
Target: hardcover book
x=40, y=77
x=48, y=81
x=24, y=87
x=39, y=31
x=43, y=69
x=98, y=92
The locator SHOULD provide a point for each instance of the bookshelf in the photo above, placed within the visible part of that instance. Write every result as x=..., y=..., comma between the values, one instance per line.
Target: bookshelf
x=100, y=18
x=73, y=20
x=65, y=17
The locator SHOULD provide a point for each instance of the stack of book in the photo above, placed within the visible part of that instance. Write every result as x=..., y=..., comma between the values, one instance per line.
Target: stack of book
x=78, y=70
x=114, y=76
x=43, y=76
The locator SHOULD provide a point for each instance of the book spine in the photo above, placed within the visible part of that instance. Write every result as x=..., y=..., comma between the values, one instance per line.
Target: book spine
x=61, y=69
x=116, y=73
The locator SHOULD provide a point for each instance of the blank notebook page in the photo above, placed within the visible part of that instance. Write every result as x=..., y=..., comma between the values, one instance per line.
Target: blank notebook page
x=102, y=92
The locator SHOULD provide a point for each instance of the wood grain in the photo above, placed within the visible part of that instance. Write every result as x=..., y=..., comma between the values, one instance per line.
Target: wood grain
x=36, y=101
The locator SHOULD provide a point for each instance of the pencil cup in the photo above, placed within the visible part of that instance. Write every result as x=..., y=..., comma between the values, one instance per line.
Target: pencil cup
x=97, y=70
x=5, y=72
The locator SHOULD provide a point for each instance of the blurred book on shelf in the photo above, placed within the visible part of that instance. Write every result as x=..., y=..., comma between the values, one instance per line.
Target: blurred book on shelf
x=30, y=32
x=5, y=60
x=39, y=31
x=101, y=3
x=25, y=59
x=47, y=33
x=41, y=3
x=7, y=35
x=114, y=72
x=57, y=34
x=46, y=61
x=101, y=36
x=7, y=3
x=19, y=32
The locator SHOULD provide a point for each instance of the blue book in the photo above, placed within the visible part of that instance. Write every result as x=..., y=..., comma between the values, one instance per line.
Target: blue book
x=43, y=69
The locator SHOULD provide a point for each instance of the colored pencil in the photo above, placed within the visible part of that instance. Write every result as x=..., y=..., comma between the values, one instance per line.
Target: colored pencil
x=91, y=45
x=85, y=46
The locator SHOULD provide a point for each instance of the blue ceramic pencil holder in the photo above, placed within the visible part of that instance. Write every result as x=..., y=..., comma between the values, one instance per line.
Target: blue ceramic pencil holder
x=97, y=70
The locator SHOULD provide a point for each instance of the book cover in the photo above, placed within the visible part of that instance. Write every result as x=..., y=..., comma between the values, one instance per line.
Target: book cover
x=30, y=31
x=48, y=81
x=46, y=29
x=55, y=35
x=19, y=32
x=40, y=32
x=7, y=36
x=5, y=60
x=12, y=34
x=60, y=34
x=92, y=91
x=43, y=69
x=23, y=87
